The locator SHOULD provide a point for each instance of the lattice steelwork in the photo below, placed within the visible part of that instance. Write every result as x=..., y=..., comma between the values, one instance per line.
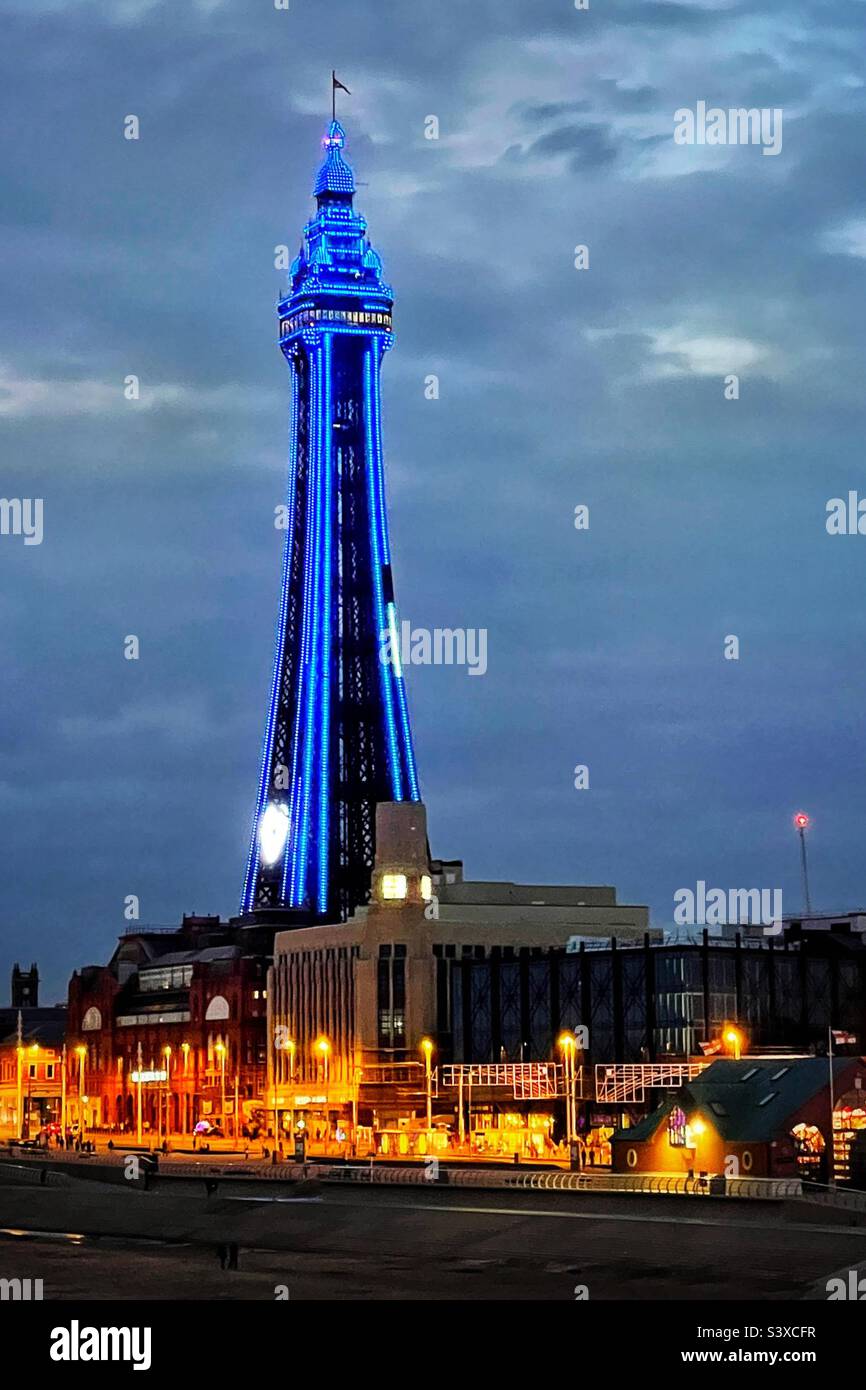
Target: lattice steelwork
x=627, y=1083
x=337, y=739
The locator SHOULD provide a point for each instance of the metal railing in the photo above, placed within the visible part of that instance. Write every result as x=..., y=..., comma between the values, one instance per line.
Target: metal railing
x=419, y=1174
x=32, y=1176
x=842, y=1198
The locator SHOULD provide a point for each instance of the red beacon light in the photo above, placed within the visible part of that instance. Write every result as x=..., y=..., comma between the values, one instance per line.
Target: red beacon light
x=801, y=820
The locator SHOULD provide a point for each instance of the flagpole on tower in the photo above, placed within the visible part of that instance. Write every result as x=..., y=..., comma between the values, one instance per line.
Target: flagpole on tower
x=335, y=85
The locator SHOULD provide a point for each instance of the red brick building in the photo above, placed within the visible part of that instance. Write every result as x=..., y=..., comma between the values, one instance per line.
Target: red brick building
x=173, y=1027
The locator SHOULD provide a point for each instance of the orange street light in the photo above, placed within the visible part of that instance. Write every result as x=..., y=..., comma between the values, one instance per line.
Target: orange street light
x=427, y=1048
x=567, y=1042
x=323, y=1047
x=220, y=1050
x=734, y=1039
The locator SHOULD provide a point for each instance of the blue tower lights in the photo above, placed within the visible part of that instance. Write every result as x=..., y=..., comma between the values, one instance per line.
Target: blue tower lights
x=337, y=737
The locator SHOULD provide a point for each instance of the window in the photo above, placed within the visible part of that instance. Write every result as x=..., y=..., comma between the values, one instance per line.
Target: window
x=32, y=1071
x=165, y=977
x=677, y=1128
x=747, y=1075
x=394, y=887
x=783, y=1071
x=766, y=1100
x=391, y=996
x=717, y=1108
x=49, y=1071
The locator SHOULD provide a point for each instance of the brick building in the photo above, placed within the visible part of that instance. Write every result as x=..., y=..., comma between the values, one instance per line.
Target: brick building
x=31, y=1055
x=172, y=1027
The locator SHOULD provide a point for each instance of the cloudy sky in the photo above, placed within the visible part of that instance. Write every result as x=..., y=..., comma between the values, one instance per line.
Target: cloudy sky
x=558, y=387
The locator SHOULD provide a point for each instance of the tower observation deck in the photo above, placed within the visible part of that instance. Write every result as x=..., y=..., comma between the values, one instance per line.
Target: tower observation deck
x=337, y=735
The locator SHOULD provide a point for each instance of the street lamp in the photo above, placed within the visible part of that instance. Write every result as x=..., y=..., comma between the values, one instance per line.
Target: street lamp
x=734, y=1039
x=220, y=1050
x=427, y=1049
x=82, y=1099
x=801, y=820
x=287, y=1045
x=63, y=1095
x=323, y=1047
x=166, y=1052
x=34, y=1051
x=568, y=1045
x=184, y=1047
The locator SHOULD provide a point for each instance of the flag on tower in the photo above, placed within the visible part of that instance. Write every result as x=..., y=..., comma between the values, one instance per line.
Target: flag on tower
x=336, y=85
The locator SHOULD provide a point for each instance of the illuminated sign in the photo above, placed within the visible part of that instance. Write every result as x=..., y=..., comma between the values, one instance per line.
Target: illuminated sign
x=141, y=1077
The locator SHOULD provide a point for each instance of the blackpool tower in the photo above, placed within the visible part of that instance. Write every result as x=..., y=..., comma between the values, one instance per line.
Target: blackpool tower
x=337, y=737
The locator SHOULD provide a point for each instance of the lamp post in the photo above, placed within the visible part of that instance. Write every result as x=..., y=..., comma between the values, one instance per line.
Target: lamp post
x=20, y=1091
x=275, y=1064
x=801, y=820
x=34, y=1052
x=63, y=1094
x=221, y=1053
x=290, y=1046
x=82, y=1101
x=356, y=1087
x=323, y=1047
x=427, y=1049
x=735, y=1040
x=568, y=1044
x=184, y=1047
x=166, y=1052
x=139, y=1064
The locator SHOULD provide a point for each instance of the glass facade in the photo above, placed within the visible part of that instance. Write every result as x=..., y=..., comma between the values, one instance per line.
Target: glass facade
x=645, y=1003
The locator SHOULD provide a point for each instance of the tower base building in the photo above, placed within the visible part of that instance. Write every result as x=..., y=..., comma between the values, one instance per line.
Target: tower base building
x=367, y=1021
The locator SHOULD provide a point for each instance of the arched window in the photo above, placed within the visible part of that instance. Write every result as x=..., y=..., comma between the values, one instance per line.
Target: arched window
x=92, y=1021
x=218, y=1007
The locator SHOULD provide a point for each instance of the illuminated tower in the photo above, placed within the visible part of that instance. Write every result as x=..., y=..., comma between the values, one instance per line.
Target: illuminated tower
x=337, y=739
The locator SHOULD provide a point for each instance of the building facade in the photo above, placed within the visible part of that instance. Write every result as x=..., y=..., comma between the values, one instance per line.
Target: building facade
x=364, y=1014
x=171, y=1031
x=31, y=1059
x=643, y=1002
